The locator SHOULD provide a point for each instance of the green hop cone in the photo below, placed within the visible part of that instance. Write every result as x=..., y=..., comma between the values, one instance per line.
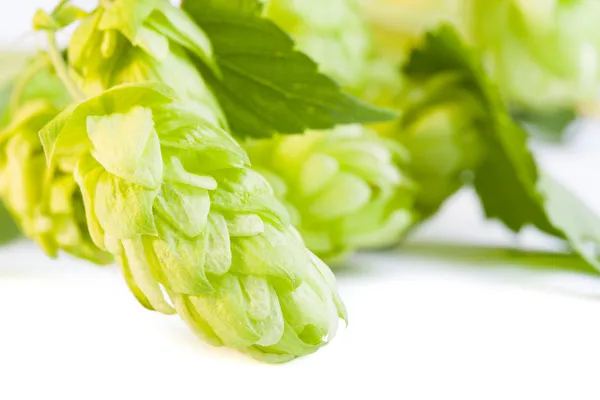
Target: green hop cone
x=344, y=189
x=46, y=203
x=125, y=41
x=171, y=196
x=440, y=127
x=543, y=54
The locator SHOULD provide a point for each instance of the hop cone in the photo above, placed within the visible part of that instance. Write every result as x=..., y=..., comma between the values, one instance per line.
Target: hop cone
x=344, y=189
x=46, y=203
x=440, y=126
x=172, y=198
x=542, y=54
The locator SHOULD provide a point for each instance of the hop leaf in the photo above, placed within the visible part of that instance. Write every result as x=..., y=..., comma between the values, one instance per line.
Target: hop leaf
x=332, y=33
x=266, y=85
x=337, y=36
x=511, y=186
x=345, y=189
x=207, y=229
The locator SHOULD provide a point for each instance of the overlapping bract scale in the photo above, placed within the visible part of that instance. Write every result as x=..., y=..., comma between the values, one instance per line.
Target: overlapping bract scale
x=345, y=189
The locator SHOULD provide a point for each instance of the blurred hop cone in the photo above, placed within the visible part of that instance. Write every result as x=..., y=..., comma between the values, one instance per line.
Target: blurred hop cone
x=344, y=189
x=46, y=203
x=171, y=196
x=440, y=126
x=544, y=55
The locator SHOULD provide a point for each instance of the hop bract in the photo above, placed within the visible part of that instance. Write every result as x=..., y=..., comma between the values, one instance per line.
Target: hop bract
x=344, y=189
x=172, y=198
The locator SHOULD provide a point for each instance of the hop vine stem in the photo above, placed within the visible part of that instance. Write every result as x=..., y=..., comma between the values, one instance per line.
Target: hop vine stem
x=493, y=256
x=61, y=69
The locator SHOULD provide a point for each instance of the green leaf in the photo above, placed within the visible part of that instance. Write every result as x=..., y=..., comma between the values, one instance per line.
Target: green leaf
x=267, y=86
x=580, y=224
x=8, y=228
x=244, y=7
x=509, y=183
x=550, y=124
x=507, y=178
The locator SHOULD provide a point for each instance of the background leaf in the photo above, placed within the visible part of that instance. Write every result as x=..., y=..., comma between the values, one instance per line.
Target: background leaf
x=267, y=86
x=576, y=219
x=509, y=183
x=506, y=180
x=551, y=125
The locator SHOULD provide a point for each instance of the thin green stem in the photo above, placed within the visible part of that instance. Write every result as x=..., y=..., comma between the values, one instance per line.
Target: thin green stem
x=500, y=255
x=60, y=67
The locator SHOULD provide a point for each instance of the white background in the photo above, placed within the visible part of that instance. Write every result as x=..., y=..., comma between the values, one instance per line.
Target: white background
x=421, y=326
